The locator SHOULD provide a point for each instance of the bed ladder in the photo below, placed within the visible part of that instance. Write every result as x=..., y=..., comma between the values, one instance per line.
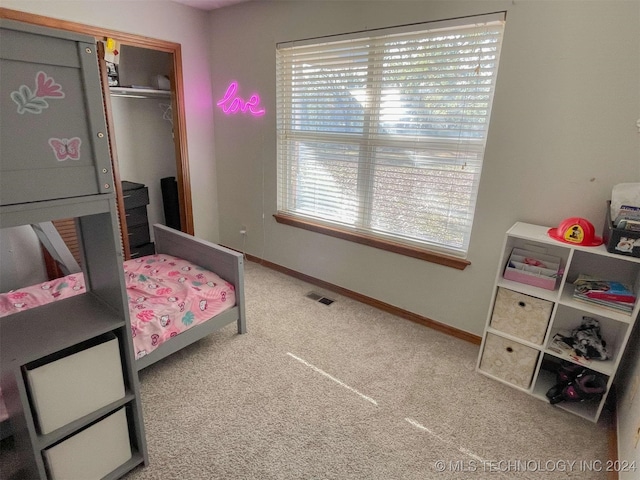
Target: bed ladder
x=52, y=241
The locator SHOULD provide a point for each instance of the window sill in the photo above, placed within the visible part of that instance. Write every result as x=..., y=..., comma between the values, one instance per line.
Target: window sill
x=427, y=256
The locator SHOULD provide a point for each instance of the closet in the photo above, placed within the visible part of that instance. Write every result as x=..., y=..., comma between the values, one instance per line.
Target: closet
x=142, y=119
x=142, y=81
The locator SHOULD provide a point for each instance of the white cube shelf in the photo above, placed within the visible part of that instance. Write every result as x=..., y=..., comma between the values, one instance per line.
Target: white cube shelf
x=517, y=346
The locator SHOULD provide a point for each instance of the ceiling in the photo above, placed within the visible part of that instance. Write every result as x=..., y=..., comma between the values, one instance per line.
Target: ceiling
x=208, y=4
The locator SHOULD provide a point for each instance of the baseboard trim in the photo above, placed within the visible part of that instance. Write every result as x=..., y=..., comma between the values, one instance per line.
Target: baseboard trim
x=427, y=322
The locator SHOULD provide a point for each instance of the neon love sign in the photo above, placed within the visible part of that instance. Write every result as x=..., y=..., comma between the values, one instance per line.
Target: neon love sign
x=231, y=105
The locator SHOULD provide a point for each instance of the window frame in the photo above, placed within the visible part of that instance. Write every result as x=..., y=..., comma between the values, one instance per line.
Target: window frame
x=364, y=141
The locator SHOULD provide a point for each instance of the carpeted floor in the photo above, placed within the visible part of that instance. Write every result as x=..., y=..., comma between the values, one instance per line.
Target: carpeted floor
x=347, y=392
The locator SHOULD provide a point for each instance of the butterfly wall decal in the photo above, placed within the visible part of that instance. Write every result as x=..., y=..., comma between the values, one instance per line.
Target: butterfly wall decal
x=66, y=148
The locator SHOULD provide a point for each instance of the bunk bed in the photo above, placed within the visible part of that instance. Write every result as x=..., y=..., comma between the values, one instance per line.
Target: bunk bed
x=186, y=291
x=55, y=164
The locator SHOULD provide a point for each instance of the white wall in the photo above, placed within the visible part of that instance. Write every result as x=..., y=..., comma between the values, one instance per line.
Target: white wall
x=18, y=246
x=563, y=132
x=177, y=23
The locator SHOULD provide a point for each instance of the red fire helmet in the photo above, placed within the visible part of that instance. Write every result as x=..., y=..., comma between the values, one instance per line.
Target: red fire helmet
x=576, y=230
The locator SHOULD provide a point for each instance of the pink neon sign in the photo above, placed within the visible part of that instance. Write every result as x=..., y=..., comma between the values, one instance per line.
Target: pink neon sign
x=231, y=104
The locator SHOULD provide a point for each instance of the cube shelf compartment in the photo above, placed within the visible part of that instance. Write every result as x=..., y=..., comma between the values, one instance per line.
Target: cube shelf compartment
x=523, y=341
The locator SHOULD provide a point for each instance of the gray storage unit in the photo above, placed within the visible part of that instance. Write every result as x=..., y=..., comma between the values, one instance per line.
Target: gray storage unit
x=54, y=163
x=136, y=199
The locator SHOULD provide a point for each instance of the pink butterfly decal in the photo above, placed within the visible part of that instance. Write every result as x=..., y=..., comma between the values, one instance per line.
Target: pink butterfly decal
x=46, y=86
x=66, y=148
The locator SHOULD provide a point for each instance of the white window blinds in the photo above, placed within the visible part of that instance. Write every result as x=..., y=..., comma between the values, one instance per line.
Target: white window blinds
x=384, y=133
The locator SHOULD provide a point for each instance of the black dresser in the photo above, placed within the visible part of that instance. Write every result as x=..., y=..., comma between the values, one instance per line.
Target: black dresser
x=136, y=199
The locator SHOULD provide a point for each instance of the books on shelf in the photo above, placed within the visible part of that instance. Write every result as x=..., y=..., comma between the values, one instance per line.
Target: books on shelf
x=606, y=304
x=608, y=294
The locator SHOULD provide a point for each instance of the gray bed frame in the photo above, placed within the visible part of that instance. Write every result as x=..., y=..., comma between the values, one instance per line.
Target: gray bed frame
x=227, y=264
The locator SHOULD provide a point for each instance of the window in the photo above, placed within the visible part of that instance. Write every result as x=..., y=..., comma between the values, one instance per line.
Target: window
x=381, y=135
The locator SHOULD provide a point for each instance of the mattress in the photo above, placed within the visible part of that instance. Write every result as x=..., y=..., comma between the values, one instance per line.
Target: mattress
x=168, y=295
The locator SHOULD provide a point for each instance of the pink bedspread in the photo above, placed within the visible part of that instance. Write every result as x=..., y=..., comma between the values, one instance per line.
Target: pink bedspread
x=167, y=295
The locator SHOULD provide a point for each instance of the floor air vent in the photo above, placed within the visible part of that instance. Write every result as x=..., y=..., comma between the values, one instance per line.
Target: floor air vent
x=319, y=298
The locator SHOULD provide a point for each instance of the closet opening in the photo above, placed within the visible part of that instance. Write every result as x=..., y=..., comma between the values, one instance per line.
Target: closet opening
x=139, y=85
x=162, y=106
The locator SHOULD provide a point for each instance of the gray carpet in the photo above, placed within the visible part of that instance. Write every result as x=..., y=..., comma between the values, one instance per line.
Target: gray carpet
x=347, y=392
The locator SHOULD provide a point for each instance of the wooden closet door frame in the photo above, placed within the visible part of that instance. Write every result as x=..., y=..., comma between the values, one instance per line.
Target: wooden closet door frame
x=177, y=88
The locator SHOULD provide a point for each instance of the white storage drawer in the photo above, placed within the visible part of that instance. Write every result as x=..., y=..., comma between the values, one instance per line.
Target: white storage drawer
x=521, y=315
x=92, y=453
x=69, y=388
x=509, y=360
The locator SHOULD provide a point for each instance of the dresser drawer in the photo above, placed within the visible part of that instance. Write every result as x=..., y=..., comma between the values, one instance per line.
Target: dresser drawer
x=73, y=386
x=92, y=453
x=521, y=315
x=136, y=216
x=135, y=198
x=142, y=250
x=139, y=235
x=511, y=361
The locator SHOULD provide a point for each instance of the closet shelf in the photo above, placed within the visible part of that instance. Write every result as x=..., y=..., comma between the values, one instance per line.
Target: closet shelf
x=139, y=92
